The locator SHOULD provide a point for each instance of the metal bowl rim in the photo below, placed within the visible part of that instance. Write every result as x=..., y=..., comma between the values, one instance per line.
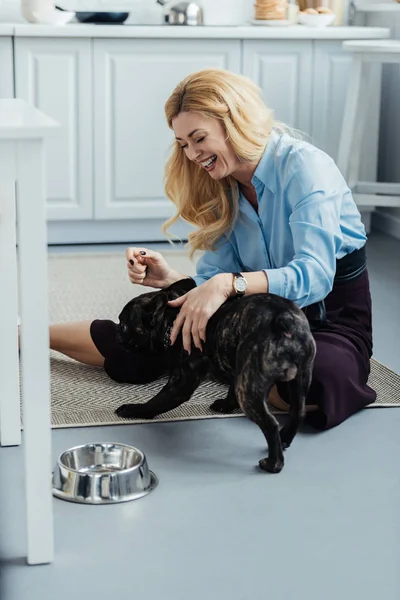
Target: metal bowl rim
x=61, y=465
x=154, y=481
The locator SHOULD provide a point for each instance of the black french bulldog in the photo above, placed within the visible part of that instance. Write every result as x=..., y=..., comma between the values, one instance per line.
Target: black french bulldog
x=252, y=343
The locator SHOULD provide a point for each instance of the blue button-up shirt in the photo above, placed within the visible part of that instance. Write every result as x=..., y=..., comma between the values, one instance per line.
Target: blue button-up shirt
x=307, y=218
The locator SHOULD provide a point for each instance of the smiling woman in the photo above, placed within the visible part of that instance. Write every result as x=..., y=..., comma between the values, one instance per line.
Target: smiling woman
x=221, y=129
x=273, y=214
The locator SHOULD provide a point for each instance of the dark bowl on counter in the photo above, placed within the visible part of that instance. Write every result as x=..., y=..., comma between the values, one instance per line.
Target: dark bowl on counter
x=103, y=18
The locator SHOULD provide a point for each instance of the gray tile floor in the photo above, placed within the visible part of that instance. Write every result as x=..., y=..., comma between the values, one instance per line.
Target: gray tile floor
x=216, y=528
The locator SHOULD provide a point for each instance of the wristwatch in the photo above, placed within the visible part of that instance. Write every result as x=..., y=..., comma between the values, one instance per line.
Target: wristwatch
x=239, y=284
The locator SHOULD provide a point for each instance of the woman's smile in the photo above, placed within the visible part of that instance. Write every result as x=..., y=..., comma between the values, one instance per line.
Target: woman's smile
x=209, y=164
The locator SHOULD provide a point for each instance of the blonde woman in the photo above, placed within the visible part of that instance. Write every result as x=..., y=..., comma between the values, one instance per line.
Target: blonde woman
x=272, y=214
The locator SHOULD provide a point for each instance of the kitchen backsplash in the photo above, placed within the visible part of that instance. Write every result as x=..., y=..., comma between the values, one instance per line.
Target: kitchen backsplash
x=216, y=12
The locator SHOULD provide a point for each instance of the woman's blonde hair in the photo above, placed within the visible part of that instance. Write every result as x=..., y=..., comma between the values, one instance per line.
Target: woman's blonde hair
x=235, y=100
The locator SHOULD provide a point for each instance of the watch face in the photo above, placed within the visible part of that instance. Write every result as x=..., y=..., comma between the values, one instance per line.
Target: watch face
x=240, y=285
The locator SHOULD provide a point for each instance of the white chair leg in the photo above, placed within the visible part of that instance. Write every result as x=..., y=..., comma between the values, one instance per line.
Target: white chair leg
x=35, y=362
x=353, y=171
x=10, y=419
x=351, y=114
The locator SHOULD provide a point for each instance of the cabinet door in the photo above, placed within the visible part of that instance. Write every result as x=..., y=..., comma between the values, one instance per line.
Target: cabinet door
x=283, y=70
x=6, y=68
x=132, y=81
x=331, y=76
x=56, y=76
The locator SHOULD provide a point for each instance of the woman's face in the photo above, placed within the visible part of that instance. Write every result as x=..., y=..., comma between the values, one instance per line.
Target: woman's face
x=203, y=140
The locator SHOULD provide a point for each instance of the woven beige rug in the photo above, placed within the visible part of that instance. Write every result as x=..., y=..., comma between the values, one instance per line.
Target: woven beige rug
x=88, y=286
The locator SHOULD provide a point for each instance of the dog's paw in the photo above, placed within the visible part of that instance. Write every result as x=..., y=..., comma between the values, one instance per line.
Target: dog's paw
x=222, y=405
x=133, y=411
x=267, y=464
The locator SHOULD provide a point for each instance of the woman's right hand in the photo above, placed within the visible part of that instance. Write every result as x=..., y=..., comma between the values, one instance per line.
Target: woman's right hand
x=146, y=267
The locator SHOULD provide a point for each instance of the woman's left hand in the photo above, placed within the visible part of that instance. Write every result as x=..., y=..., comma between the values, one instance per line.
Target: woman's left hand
x=197, y=306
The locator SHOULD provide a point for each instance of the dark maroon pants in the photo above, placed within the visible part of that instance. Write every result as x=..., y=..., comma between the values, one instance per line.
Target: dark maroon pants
x=344, y=347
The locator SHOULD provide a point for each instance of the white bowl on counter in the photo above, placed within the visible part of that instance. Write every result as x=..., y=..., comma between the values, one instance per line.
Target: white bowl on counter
x=321, y=20
x=34, y=13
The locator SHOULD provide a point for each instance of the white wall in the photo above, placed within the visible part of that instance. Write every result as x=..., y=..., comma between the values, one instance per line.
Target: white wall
x=216, y=12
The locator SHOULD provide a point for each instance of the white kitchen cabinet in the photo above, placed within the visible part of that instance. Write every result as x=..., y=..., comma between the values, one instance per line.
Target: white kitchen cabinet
x=105, y=169
x=56, y=76
x=330, y=77
x=132, y=81
x=283, y=70
x=6, y=68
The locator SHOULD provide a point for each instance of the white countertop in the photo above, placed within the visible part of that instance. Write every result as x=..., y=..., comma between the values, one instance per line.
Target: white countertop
x=205, y=32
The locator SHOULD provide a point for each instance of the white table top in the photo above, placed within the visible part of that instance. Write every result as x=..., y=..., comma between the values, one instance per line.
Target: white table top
x=20, y=120
x=381, y=7
x=392, y=46
x=6, y=29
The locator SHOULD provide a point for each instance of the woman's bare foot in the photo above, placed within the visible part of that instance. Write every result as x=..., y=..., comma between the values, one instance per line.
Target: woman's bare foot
x=276, y=401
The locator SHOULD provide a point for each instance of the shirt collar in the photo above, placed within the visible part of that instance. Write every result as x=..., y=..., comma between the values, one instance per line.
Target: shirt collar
x=264, y=172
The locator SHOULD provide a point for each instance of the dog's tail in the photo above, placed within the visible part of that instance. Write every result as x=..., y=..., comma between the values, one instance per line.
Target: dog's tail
x=283, y=324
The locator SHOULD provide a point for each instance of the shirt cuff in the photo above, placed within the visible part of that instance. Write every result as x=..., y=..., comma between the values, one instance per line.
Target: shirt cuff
x=276, y=281
x=199, y=279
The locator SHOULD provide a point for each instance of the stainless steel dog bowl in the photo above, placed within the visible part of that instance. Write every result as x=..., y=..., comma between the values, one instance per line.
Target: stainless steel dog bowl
x=102, y=474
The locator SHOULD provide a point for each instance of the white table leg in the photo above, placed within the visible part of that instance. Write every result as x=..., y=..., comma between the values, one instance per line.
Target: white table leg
x=10, y=420
x=35, y=363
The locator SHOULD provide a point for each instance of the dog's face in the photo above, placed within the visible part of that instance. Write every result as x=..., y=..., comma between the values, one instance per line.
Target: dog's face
x=143, y=322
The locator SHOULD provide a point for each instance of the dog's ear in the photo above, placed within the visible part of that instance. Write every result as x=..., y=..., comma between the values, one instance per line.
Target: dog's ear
x=179, y=288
